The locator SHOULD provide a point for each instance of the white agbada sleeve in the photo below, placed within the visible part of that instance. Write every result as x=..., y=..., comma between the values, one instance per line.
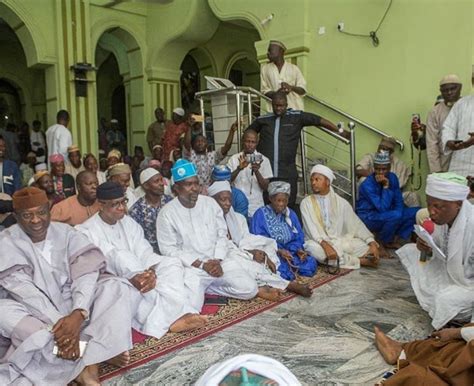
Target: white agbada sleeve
x=265, y=85
x=450, y=127
x=120, y=262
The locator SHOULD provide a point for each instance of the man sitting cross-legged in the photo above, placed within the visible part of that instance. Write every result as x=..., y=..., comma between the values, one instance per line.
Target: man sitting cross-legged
x=332, y=229
x=163, y=302
x=53, y=291
x=258, y=253
x=76, y=209
x=192, y=228
x=280, y=223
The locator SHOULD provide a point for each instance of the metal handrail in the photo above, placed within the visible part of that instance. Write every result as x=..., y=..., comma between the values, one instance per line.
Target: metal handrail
x=352, y=118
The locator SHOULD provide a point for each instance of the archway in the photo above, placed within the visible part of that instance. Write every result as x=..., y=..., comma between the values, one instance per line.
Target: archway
x=10, y=104
x=244, y=72
x=190, y=83
x=22, y=88
x=120, y=86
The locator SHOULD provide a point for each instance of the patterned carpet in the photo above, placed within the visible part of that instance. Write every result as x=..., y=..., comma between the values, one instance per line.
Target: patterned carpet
x=148, y=348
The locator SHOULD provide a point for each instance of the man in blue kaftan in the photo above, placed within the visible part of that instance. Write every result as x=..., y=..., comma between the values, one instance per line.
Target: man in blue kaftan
x=280, y=223
x=380, y=204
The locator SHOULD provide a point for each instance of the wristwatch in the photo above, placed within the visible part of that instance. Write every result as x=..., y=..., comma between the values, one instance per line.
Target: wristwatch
x=84, y=314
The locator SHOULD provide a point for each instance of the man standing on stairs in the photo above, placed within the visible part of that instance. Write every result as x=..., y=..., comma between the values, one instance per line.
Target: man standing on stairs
x=278, y=75
x=279, y=138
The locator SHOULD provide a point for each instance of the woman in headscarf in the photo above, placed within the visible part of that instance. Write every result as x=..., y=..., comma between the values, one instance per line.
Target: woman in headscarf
x=280, y=223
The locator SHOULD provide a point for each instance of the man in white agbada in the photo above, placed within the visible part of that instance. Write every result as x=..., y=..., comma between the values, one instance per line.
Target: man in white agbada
x=458, y=136
x=332, y=229
x=54, y=291
x=444, y=285
x=162, y=300
x=122, y=174
x=258, y=253
x=191, y=227
x=280, y=75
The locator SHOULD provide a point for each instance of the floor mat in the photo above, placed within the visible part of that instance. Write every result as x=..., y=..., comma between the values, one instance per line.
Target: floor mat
x=147, y=348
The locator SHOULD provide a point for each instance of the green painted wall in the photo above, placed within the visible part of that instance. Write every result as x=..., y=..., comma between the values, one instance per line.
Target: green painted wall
x=420, y=41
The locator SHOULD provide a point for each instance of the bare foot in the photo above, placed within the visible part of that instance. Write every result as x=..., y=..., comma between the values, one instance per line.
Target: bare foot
x=393, y=245
x=365, y=262
x=89, y=376
x=120, y=360
x=383, y=252
x=389, y=348
x=268, y=293
x=300, y=289
x=188, y=322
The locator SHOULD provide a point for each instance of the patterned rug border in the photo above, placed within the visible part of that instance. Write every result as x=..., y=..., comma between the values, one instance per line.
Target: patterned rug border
x=196, y=338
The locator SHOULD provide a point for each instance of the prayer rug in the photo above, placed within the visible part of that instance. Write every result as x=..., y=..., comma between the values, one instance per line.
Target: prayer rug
x=147, y=348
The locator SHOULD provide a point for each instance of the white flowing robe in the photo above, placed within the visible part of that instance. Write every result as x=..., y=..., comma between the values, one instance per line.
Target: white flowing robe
x=457, y=126
x=271, y=79
x=346, y=233
x=242, y=241
x=200, y=233
x=128, y=253
x=46, y=281
x=445, y=287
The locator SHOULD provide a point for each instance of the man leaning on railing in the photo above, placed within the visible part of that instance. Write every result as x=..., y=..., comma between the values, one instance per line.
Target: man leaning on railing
x=279, y=137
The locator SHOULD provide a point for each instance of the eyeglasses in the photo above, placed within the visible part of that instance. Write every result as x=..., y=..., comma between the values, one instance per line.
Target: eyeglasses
x=116, y=204
x=28, y=216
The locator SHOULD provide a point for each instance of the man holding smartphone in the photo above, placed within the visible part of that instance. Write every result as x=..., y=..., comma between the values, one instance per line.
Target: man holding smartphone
x=458, y=136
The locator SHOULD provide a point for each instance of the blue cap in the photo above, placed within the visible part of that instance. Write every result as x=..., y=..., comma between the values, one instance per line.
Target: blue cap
x=221, y=173
x=182, y=170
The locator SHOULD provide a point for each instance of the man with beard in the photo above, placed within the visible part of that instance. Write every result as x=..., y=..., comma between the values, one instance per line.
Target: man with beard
x=78, y=208
x=192, y=228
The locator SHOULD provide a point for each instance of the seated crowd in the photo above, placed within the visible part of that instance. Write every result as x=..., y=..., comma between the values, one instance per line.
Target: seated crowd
x=159, y=233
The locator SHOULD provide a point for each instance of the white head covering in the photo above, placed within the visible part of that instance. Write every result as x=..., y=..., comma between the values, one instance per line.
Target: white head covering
x=447, y=186
x=179, y=111
x=146, y=174
x=258, y=364
x=450, y=79
x=40, y=167
x=276, y=187
x=325, y=171
x=217, y=187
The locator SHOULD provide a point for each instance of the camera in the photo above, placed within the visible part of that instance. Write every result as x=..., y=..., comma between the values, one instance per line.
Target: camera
x=253, y=158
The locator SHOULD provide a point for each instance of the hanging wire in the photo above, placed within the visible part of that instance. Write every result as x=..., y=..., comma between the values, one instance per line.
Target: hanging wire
x=372, y=34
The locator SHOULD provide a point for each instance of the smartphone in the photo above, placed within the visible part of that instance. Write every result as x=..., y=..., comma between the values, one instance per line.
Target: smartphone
x=82, y=348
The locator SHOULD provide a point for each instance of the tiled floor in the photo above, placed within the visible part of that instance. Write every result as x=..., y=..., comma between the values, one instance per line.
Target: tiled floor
x=325, y=340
